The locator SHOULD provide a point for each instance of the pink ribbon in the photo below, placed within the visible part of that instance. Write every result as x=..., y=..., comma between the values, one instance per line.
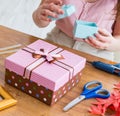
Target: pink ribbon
x=49, y=57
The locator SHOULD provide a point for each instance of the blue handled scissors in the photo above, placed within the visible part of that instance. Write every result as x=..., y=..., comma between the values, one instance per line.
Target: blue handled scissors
x=92, y=89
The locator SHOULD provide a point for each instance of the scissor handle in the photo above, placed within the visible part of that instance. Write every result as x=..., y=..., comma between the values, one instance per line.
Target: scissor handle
x=96, y=85
x=100, y=93
x=95, y=91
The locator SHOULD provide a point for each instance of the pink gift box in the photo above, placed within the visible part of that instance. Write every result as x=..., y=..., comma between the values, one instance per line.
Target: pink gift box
x=25, y=72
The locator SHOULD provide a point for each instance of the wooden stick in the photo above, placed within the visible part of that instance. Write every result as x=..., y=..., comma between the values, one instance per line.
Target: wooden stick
x=10, y=47
x=9, y=51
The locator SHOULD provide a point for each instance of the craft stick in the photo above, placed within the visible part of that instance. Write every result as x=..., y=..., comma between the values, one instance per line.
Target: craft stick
x=9, y=51
x=10, y=47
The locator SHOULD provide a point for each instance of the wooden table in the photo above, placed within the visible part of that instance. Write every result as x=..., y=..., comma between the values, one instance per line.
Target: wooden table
x=29, y=106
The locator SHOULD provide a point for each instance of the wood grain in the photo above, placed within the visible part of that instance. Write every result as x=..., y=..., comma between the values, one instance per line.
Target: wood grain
x=29, y=106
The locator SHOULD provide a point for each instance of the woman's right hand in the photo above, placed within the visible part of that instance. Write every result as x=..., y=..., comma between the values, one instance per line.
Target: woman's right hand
x=47, y=8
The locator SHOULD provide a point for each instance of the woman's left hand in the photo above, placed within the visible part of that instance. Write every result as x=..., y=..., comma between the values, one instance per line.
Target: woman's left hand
x=103, y=40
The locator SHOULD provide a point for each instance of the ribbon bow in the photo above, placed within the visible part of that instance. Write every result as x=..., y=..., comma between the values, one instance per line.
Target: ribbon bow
x=49, y=57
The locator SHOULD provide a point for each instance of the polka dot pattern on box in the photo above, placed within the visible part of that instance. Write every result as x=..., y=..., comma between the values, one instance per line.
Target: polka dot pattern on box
x=40, y=92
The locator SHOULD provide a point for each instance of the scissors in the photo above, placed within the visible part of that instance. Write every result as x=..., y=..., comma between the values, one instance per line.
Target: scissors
x=92, y=89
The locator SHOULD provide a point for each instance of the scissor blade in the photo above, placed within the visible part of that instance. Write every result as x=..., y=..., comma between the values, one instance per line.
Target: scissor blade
x=74, y=102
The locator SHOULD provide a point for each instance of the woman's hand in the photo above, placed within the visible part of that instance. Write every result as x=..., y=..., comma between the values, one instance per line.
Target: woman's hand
x=103, y=40
x=45, y=9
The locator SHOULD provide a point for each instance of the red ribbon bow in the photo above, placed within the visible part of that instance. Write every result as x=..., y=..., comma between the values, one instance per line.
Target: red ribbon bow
x=49, y=57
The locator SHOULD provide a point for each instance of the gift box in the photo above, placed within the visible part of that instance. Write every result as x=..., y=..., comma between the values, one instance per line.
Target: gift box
x=44, y=71
x=84, y=29
x=68, y=10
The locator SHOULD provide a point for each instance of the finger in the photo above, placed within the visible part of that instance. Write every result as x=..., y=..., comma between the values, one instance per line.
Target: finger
x=104, y=32
x=57, y=2
x=46, y=13
x=97, y=44
x=90, y=42
x=52, y=7
x=44, y=6
x=42, y=17
x=100, y=37
x=55, y=8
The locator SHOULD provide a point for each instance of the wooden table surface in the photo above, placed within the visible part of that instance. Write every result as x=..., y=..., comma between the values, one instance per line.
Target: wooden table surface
x=29, y=106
